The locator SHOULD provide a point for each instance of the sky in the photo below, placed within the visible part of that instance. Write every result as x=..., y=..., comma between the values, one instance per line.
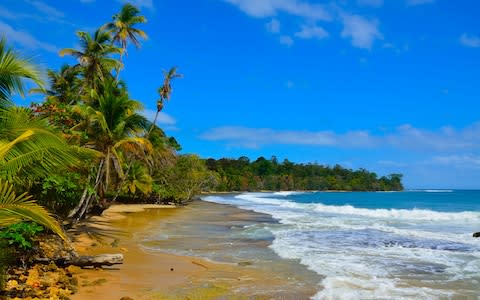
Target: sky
x=387, y=85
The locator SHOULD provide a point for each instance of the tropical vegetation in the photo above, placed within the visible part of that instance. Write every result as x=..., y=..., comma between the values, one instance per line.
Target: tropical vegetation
x=88, y=144
x=268, y=174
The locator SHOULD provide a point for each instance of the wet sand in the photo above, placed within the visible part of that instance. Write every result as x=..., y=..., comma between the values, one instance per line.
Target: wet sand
x=151, y=273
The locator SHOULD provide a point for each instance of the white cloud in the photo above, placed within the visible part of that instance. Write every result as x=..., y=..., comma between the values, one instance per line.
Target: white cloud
x=25, y=39
x=419, y=2
x=268, y=8
x=361, y=31
x=286, y=40
x=273, y=26
x=457, y=160
x=310, y=32
x=407, y=137
x=470, y=40
x=46, y=9
x=256, y=137
x=163, y=118
x=373, y=3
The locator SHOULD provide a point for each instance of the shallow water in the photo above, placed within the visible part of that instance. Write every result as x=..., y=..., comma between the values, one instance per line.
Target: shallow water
x=225, y=234
x=410, y=245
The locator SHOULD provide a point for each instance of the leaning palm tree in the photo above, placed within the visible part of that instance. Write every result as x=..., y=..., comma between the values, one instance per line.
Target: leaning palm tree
x=165, y=92
x=123, y=29
x=14, y=69
x=115, y=128
x=94, y=56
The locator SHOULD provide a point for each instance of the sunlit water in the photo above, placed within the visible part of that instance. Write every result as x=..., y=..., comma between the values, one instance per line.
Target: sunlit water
x=407, y=245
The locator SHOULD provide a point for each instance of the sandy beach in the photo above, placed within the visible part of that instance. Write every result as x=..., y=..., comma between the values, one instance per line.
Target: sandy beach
x=149, y=274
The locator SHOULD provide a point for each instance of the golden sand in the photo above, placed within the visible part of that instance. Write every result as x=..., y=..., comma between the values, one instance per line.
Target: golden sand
x=146, y=275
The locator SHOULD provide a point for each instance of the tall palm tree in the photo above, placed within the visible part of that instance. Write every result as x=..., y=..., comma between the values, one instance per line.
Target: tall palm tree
x=14, y=69
x=165, y=92
x=94, y=56
x=123, y=28
x=114, y=127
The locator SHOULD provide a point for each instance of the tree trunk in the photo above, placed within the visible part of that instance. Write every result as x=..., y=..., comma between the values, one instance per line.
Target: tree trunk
x=119, y=189
x=86, y=261
x=74, y=211
x=153, y=124
x=85, y=200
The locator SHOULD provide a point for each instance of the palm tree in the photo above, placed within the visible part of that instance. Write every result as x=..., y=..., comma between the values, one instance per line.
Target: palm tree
x=137, y=179
x=114, y=127
x=64, y=86
x=165, y=92
x=94, y=56
x=29, y=149
x=14, y=69
x=123, y=28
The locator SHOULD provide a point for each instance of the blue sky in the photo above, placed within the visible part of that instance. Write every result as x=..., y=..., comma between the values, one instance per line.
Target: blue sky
x=388, y=85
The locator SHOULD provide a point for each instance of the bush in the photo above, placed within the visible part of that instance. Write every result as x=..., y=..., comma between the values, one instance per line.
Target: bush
x=19, y=235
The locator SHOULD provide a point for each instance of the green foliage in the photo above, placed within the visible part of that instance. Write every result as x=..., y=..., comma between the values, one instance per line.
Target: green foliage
x=15, y=208
x=19, y=235
x=14, y=69
x=185, y=179
x=263, y=174
x=60, y=192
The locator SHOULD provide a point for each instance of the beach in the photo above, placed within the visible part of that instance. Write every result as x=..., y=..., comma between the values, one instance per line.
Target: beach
x=167, y=268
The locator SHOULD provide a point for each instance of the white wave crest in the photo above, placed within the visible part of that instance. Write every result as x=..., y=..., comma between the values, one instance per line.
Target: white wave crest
x=380, y=213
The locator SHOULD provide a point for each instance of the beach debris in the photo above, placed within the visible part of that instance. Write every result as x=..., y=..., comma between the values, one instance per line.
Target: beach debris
x=96, y=261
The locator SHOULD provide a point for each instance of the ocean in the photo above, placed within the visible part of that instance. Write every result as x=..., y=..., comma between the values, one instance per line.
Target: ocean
x=415, y=244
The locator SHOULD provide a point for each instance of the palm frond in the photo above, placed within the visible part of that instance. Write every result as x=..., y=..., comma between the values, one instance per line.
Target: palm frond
x=14, y=69
x=15, y=208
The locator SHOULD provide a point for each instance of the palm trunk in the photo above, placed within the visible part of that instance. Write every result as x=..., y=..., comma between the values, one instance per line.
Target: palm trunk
x=119, y=188
x=82, y=206
x=118, y=70
x=153, y=124
x=74, y=211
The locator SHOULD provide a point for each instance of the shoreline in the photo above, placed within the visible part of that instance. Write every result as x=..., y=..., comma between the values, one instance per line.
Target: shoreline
x=147, y=274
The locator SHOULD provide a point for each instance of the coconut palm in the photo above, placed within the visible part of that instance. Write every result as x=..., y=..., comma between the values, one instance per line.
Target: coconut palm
x=165, y=91
x=123, y=28
x=94, y=56
x=138, y=179
x=14, y=69
x=114, y=127
x=64, y=85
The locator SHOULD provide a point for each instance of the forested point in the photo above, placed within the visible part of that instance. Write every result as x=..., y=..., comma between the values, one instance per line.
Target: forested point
x=262, y=174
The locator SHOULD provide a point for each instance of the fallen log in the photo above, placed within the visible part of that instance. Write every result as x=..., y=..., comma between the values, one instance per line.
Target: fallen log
x=96, y=261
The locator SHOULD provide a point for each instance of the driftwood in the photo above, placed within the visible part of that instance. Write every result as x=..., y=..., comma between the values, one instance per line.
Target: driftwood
x=86, y=261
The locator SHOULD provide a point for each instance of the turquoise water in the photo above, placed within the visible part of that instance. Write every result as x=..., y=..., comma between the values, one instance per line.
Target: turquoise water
x=406, y=245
